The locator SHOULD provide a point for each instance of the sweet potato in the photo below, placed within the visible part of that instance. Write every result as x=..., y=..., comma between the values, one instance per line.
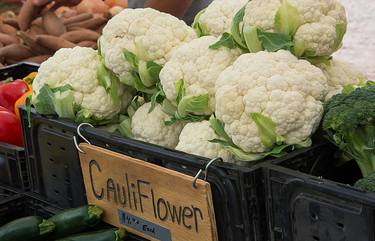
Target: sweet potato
x=88, y=44
x=53, y=24
x=15, y=52
x=81, y=35
x=74, y=28
x=38, y=59
x=27, y=13
x=38, y=21
x=7, y=29
x=53, y=43
x=78, y=18
x=12, y=22
x=8, y=39
x=93, y=23
x=37, y=30
x=34, y=46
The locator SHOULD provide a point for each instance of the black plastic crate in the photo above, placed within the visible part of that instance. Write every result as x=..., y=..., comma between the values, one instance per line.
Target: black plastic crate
x=311, y=200
x=7, y=193
x=13, y=171
x=54, y=164
x=18, y=71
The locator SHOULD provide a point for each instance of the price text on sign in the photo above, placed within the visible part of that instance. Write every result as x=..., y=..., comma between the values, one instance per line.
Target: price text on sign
x=151, y=201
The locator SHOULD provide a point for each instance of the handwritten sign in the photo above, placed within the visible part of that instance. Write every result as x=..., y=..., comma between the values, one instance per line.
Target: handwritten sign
x=151, y=201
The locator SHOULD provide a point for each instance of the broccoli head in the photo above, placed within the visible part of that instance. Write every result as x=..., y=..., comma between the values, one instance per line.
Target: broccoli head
x=349, y=121
x=367, y=183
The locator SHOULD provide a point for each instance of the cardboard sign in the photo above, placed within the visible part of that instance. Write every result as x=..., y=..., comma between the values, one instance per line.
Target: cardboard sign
x=151, y=201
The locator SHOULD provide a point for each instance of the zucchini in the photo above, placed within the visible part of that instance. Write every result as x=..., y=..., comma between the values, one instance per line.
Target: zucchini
x=28, y=228
x=75, y=220
x=103, y=235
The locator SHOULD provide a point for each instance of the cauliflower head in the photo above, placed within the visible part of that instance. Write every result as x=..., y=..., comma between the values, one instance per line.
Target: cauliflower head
x=314, y=27
x=198, y=66
x=77, y=67
x=151, y=127
x=147, y=33
x=340, y=74
x=217, y=18
x=195, y=139
x=272, y=88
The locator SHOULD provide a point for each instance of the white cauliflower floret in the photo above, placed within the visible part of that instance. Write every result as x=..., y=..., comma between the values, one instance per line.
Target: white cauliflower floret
x=195, y=139
x=151, y=127
x=278, y=71
x=149, y=34
x=216, y=19
x=341, y=74
x=277, y=86
x=199, y=67
x=77, y=67
x=316, y=31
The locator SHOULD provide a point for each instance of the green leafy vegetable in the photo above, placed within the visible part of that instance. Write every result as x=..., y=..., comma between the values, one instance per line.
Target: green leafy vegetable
x=226, y=40
x=252, y=40
x=199, y=28
x=131, y=58
x=287, y=19
x=267, y=130
x=341, y=29
x=125, y=127
x=236, y=29
x=349, y=121
x=273, y=42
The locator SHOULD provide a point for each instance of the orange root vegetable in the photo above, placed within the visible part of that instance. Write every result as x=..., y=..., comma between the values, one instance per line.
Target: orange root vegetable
x=15, y=52
x=92, y=6
x=34, y=46
x=120, y=3
x=8, y=39
x=88, y=44
x=93, y=23
x=53, y=43
x=38, y=59
x=12, y=22
x=78, y=18
x=66, y=12
x=8, y=29
x=53, y=24
x=81, y=35
x=27, y=13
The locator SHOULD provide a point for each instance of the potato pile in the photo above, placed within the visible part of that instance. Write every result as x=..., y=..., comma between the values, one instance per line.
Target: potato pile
x=37, y=32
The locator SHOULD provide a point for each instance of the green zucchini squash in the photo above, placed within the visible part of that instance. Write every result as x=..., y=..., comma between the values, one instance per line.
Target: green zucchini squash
x=104, y=235
x=25, y=229
x=75, y=220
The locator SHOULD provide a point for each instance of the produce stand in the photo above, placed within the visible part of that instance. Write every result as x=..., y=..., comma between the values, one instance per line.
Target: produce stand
x=146, y=147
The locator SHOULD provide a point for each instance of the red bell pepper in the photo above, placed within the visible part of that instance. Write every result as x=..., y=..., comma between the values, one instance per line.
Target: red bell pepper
x=10, y=128
x=11, y=92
